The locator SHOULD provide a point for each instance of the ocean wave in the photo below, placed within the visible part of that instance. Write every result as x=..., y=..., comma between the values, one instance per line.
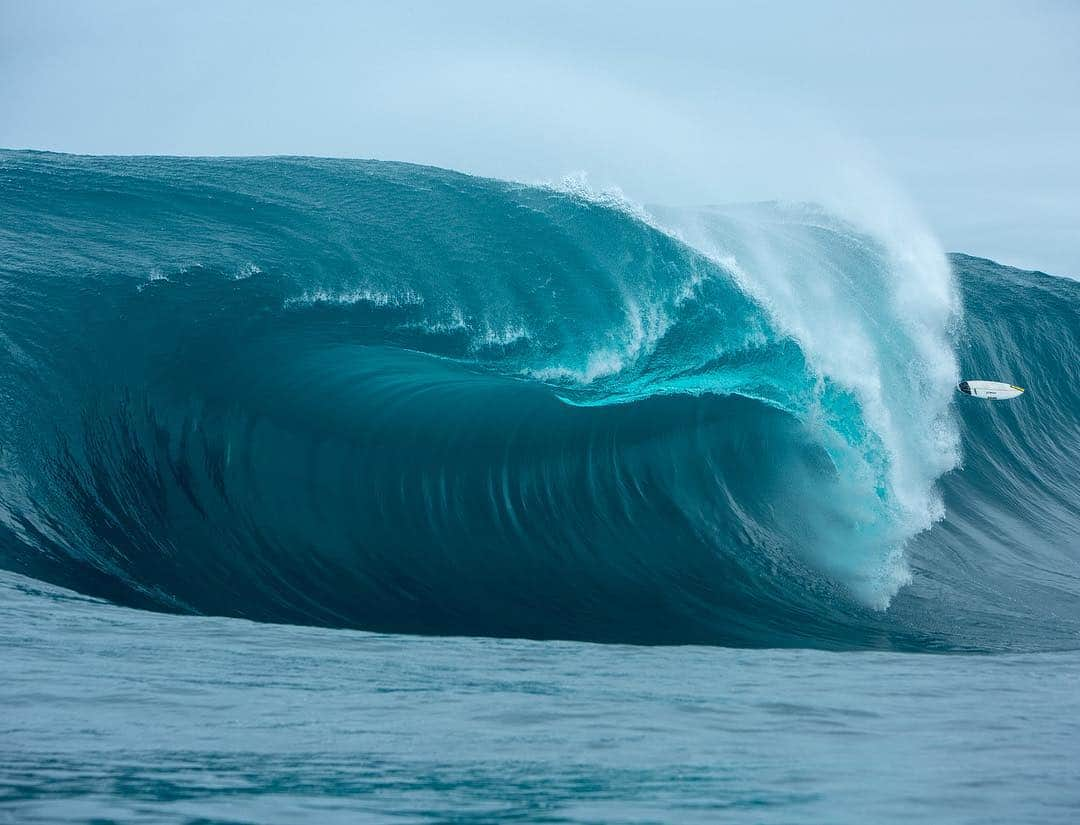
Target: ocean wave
x=455, y=405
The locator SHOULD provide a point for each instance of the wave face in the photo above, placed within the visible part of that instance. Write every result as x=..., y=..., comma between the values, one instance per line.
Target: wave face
x=383, y=396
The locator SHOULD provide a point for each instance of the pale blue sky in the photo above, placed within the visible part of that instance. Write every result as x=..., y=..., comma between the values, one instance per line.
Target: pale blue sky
x=971, y=108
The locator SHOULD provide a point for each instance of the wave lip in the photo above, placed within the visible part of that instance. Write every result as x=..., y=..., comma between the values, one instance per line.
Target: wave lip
x=456, y=405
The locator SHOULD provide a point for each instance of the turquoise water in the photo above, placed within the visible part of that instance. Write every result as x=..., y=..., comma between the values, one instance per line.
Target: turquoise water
x=120, y=715
x=367, y=491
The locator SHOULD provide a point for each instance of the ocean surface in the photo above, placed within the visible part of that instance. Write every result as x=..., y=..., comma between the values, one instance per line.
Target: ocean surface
x=364, y=491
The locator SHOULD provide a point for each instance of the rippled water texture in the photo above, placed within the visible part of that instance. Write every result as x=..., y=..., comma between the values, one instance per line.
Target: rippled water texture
x=120, y=715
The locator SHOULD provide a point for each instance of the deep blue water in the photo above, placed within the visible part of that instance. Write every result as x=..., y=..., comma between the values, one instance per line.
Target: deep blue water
x=521, y=502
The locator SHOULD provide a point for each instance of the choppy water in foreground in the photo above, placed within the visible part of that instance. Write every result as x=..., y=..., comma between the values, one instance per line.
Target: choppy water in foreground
x=112, y=714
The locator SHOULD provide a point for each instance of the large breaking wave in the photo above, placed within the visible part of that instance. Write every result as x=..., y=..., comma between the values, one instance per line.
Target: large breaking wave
x=400, y=398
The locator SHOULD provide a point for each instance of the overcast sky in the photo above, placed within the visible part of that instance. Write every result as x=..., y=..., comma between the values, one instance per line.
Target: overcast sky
x=971, y=108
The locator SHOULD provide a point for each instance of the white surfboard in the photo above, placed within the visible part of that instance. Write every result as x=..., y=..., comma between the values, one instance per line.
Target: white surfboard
x=990, y=390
